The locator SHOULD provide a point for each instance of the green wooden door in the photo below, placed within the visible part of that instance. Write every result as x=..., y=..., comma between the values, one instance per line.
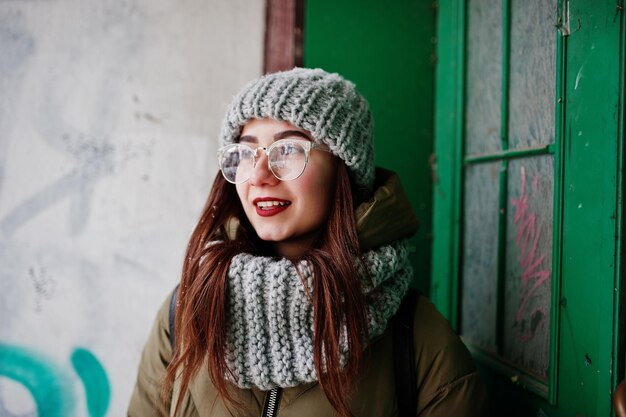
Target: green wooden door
x=527, y=203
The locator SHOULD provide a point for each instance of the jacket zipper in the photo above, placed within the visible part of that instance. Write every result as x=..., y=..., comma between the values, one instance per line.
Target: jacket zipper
x=272, y=399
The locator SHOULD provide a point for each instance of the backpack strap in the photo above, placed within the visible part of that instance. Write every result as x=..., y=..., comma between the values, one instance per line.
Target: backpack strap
x=172, y=318
x=404, y=355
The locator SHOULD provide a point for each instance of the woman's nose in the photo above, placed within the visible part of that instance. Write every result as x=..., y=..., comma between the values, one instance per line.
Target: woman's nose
x=261, y=174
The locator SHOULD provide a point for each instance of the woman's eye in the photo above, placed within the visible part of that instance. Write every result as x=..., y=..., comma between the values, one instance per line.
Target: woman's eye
x=288, y=149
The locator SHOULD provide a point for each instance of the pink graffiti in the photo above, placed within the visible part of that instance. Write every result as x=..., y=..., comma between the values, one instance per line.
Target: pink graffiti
x=527, y=238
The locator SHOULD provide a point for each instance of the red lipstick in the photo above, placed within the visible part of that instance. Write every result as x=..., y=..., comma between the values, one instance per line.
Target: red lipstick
x=270, y=206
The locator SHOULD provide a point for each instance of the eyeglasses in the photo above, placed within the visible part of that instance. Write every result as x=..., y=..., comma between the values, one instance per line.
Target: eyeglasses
x=286, y=159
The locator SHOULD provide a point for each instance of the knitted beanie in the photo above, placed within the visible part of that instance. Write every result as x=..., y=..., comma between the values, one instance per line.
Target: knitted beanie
x=322, y=103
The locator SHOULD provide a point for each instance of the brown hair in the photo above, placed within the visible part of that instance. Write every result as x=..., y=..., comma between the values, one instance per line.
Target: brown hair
x=201, y=310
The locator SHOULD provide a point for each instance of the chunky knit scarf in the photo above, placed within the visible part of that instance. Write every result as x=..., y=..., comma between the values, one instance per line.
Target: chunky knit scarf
x=270, y=332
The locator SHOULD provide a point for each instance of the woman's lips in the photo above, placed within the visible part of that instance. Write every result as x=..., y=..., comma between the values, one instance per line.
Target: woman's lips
x=270, y=206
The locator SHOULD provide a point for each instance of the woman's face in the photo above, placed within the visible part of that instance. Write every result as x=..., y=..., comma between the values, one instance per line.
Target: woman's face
x=303, y=203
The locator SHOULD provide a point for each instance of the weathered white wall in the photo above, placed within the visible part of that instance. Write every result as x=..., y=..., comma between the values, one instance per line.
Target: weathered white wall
x=109, y=113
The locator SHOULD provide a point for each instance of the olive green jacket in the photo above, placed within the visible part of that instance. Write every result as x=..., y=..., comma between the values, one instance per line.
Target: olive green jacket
x=448, y=383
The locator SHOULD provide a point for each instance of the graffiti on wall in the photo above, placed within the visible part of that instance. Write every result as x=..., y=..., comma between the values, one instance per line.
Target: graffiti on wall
x=530, y=259
x=96, y=100
x=51, y=385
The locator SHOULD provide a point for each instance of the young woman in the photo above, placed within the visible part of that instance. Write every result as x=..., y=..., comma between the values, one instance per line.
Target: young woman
x=295, y=271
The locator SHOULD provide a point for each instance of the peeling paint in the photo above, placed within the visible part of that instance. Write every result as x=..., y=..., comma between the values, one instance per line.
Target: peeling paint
x=580, y=75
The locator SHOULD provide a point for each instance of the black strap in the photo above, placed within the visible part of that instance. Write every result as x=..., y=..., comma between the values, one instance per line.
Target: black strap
x=172, y=318
x=404, y=356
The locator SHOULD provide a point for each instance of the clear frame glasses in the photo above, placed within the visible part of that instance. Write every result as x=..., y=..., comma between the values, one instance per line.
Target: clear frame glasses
x=286, y=159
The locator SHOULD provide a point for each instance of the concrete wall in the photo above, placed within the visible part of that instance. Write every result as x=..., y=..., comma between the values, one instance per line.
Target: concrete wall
x=109, y=112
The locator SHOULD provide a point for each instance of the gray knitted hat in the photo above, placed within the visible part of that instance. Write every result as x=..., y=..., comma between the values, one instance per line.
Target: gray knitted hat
x=322, y=103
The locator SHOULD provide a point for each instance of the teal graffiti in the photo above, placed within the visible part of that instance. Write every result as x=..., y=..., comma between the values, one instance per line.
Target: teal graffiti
x=51, y=387
x=95, y=381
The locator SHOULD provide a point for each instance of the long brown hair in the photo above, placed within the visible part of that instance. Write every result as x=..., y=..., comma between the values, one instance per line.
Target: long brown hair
x=338, y=303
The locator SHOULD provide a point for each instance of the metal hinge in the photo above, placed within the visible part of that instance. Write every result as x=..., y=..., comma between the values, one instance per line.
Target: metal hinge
x=562, y=21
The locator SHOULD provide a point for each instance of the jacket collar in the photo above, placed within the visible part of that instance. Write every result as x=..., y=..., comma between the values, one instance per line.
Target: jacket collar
x=387, y=215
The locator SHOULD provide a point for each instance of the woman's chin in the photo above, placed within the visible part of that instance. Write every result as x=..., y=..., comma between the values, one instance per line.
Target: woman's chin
x=272, y=236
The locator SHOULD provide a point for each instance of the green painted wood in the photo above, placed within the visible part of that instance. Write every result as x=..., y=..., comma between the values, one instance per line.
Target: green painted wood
x=386, y=48
x=588, y=162
x=557, y=215
x=506, y=60
x=590, y=206
x=510, y=154
x=448, y=154
x=504, y=194
x=619, y=324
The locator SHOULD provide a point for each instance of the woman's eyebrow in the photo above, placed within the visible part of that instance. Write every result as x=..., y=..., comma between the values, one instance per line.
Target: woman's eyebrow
x=291, y=133
x=277, y=136
x=248, y=138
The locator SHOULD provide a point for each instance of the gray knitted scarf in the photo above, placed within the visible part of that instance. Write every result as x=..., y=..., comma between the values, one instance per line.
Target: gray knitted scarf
x=270, y=334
